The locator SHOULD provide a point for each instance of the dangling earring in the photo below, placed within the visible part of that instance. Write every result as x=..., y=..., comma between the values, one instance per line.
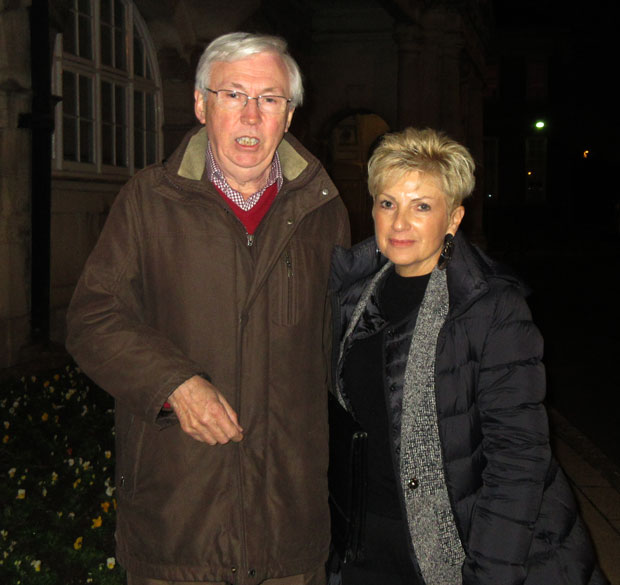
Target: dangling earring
x=446, y=252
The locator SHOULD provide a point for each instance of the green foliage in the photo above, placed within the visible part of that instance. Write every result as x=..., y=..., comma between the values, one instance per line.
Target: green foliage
x=56, y=482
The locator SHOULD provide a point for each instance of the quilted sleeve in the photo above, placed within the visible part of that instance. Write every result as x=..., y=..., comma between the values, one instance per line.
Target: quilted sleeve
x=510, y=393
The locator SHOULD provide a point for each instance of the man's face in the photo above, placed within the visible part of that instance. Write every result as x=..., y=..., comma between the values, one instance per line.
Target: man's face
x=244, y=141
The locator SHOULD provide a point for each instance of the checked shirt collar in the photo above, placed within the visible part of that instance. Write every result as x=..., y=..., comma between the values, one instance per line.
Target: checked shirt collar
x=216, y=176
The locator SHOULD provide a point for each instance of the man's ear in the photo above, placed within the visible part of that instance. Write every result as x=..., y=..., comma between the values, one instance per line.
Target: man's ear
x=200, y=106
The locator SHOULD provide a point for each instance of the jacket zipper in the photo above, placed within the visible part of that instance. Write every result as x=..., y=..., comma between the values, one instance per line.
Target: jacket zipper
x=243, y=561
x=250, y=239
x=289, y=275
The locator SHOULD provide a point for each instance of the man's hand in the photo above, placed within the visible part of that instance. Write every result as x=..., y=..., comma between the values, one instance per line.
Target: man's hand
x=204, y=413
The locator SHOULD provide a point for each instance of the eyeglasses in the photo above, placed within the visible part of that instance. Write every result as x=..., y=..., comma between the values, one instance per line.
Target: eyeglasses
x=231, y=99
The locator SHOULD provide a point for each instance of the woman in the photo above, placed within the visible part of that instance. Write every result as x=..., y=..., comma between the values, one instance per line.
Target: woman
x=439, y=361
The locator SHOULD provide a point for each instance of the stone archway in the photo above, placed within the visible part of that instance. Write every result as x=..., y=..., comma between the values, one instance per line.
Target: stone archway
x=350, y=142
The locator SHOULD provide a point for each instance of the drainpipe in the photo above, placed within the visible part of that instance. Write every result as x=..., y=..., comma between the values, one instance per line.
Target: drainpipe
x=41, y=124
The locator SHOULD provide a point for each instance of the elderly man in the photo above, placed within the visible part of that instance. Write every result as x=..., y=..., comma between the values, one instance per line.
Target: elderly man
x=202, y=310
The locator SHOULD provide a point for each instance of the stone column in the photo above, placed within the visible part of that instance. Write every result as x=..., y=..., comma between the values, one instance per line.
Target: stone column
x=15, y=173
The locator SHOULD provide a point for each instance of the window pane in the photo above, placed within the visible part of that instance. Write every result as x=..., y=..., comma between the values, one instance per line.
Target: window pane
x=119, y=48
x=121, y=126
x=150, y=112
x=68, y=35
x=86, y=141
x=106, y=102
x=69, y=138
x=138, y=54
x=106, y=46
x=119, y=14
x=120, y=107
x=85, y=37
x=84, y=6
x=86, y=97
x=138, y=148
x=138, y=109
x=121, y=146
x=107, y=145
x=106, y=11
x=69, y=93
x=151, y=148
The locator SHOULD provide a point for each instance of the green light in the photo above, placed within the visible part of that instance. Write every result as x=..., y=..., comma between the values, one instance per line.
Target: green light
x=539, y=124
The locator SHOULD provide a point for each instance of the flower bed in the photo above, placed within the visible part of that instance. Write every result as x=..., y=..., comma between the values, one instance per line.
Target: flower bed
x=57, y=482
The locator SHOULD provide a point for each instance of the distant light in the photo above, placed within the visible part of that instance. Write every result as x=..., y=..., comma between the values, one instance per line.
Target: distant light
x=490, y=195
x=539, y=124
x=529, y=173
x=586, y=153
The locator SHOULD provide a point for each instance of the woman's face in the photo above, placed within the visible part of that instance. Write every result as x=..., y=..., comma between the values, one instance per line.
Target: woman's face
x=411, y=219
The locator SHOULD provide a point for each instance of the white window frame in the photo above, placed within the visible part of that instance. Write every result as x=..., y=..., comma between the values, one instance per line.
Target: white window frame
x=100, y=73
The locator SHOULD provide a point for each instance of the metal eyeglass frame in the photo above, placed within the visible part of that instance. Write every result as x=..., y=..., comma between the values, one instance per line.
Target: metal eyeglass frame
x=248, y=98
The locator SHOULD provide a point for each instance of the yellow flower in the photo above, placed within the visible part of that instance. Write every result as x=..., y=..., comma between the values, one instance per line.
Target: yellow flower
x=45, y=416
x=77, y=482
x=108, y=454
x=46, y=383
x=36, y=565
x=97, y=522
x=54, y=477
x=12, y=472
x=105, y=506
x=111, y=562
x=21, y=494
x=77, y=545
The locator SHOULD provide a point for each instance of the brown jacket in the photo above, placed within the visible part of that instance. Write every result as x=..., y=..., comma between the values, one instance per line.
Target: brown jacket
x=172, y=289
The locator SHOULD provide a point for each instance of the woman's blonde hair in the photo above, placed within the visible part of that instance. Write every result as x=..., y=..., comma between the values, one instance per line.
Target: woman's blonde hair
x=427, y=151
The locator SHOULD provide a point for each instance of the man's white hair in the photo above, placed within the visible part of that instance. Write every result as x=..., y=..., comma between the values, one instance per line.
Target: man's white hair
x=239, y=45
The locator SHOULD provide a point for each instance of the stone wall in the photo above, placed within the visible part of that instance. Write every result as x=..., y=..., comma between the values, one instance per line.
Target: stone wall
x=15, y=99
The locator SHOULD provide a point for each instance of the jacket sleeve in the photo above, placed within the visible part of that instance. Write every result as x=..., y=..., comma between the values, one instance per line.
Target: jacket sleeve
x=515, y=442
x=106, y=329
x=342, y=240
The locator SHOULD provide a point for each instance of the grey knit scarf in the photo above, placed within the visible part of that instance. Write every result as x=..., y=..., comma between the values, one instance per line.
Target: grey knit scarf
x=431, y=522
x=432, y=526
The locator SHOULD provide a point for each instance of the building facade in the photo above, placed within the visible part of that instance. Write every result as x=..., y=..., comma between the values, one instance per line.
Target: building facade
x=93, y=90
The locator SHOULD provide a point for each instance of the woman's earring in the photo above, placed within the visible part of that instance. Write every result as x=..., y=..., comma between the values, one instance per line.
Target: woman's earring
x=446, y=252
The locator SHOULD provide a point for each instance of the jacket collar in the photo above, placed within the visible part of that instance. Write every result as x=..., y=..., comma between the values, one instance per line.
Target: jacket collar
x=356, y=263
x=468, y=273
x=192, y=164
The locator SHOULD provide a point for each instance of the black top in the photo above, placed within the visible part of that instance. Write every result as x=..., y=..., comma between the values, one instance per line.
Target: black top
x=364, y=377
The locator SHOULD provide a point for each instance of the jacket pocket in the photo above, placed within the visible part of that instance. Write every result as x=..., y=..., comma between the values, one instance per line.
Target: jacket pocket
x=298, y=283
x=286, y=311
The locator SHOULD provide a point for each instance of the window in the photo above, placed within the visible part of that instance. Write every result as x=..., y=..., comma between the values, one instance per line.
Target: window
x=107, y=121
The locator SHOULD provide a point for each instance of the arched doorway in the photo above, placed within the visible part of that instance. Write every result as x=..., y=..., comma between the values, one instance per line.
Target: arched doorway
x=351, y=142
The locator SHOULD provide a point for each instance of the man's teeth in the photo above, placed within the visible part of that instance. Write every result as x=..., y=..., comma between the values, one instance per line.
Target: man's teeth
x=247, y=141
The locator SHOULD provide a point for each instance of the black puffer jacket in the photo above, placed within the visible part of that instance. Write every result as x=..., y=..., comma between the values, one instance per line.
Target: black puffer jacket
x=515, y=513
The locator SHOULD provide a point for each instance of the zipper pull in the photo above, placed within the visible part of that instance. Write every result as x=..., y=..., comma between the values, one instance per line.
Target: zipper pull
x=289, y=264
x=250, y=238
